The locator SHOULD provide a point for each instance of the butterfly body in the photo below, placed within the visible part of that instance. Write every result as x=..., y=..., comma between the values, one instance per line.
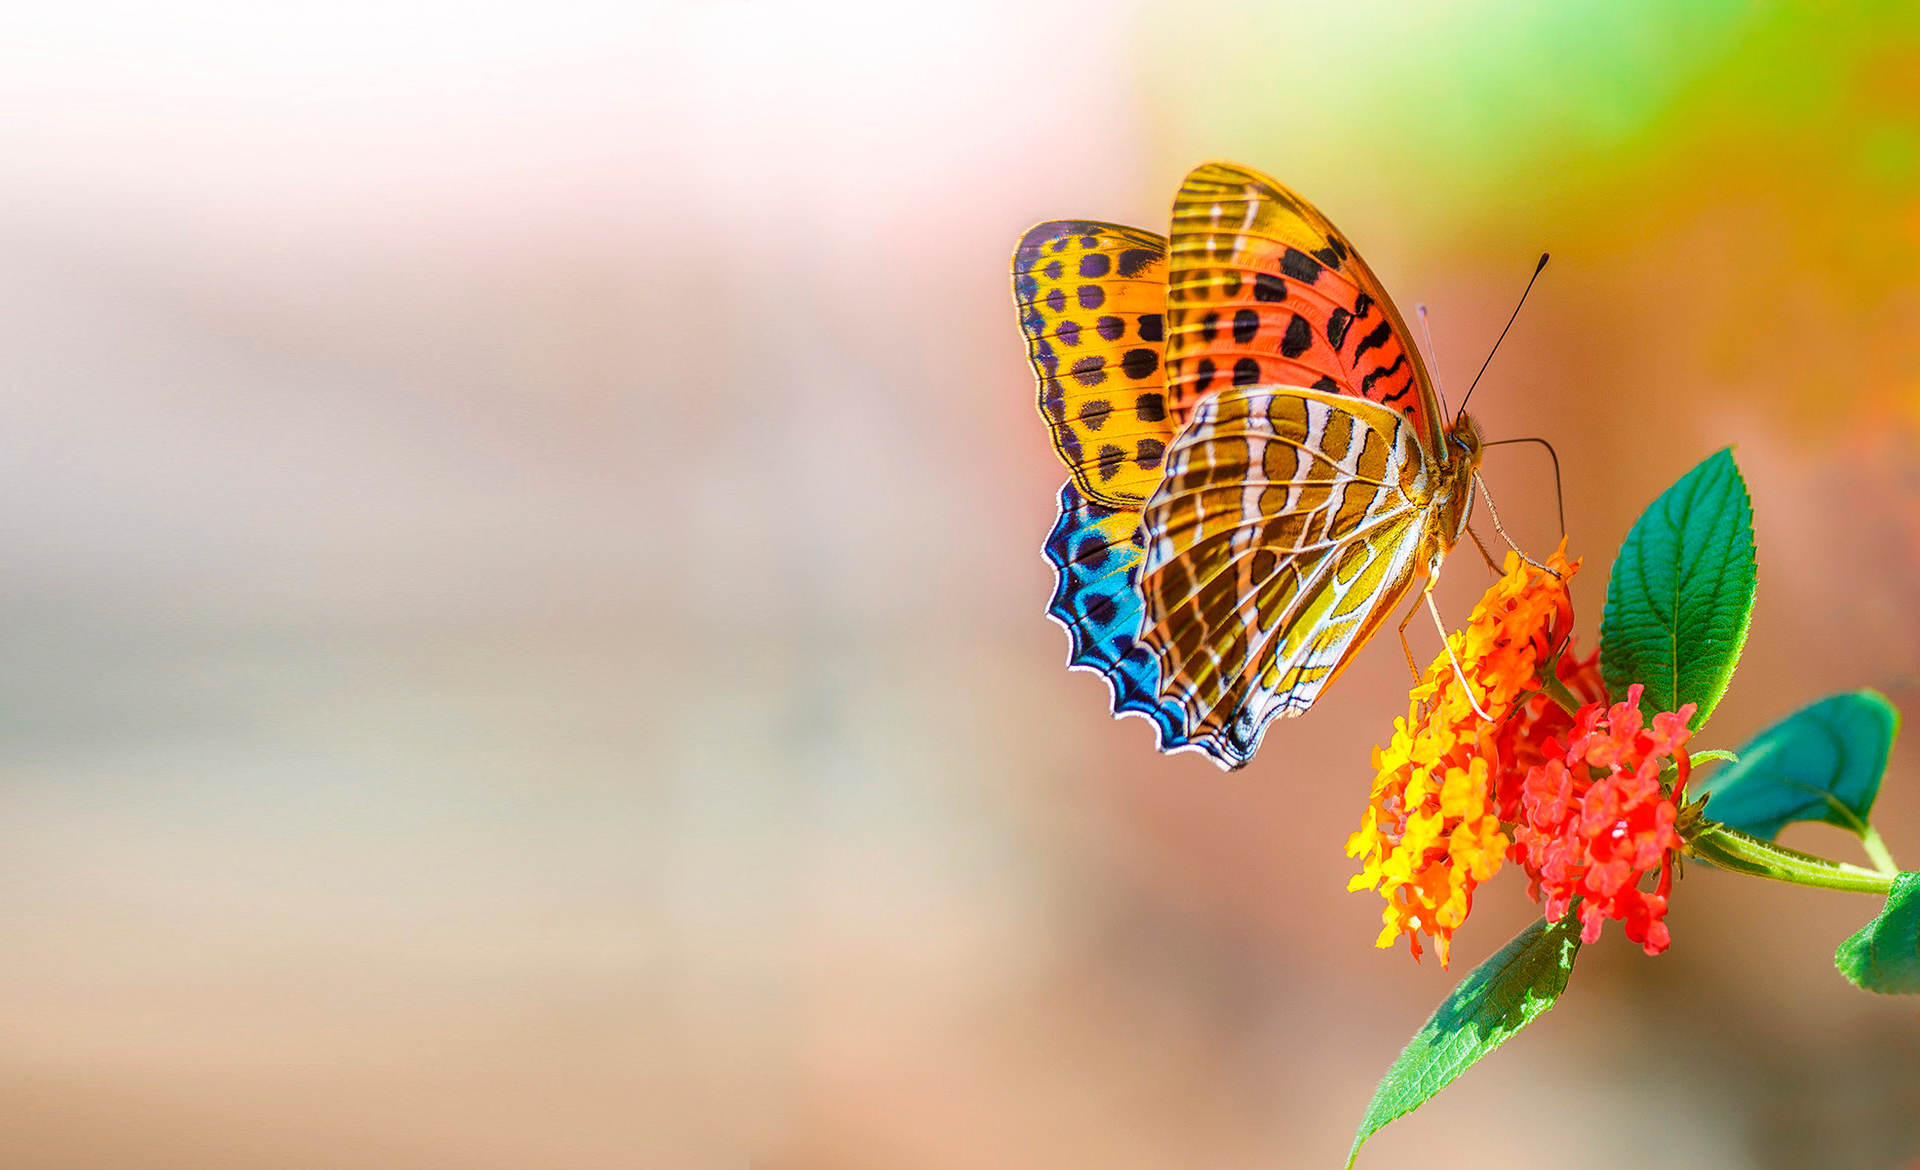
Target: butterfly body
x=1272, y=445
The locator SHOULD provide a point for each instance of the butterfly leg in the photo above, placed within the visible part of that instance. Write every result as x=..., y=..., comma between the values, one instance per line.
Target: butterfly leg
x=1404, y=647
x=1484, y=554
x=1495, y=512
x=1466, y=688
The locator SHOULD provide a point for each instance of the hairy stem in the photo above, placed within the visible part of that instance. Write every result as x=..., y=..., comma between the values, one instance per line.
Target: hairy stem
x=1743, y=853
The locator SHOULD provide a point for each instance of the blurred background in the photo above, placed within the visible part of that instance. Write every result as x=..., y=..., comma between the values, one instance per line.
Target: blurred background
x=524, y=638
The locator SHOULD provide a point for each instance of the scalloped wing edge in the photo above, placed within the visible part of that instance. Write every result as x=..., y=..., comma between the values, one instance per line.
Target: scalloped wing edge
x=1132, y=675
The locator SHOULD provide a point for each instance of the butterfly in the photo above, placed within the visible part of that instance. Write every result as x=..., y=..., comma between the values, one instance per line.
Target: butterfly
x=1261, y=467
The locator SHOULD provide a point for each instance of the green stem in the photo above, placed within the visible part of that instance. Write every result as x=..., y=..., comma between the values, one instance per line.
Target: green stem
x=1553, y=688
x=1743, y=853
x=1877, y=850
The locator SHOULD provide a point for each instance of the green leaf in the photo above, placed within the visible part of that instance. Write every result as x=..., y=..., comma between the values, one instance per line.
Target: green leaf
x=1681, y=593
x=1501, y=996
x=1885, y=956
x=1821, y=763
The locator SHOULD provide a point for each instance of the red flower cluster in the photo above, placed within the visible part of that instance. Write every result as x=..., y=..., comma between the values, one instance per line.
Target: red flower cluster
x=1527, y=737
x=1592, y=819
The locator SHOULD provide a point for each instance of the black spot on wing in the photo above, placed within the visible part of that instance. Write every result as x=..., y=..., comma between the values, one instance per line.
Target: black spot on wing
x=1150, y=408
x=1268, y=287
x=1149, y=452
x=1246, y=323
x=1209, y=327
x=1152, y=327
x=1337, y=328
x=1111, y=457
x=1091, y=552
x=1300, y=266
x=1362, y=305
x=1246, y=372
x=1087, y=371
x=1134, y=261
x=1110, y=328
x=1069, y=444
x=1367, y=382
x=1298, y=339
x=1092, y=296
x=1095, y=265
x=1203, y=376
x=1094, y=414
x=1099, y=608
x=1054, y=402
x=1326, y=384
x=1327, y=256
x=1373, y=340
x=1139, y=363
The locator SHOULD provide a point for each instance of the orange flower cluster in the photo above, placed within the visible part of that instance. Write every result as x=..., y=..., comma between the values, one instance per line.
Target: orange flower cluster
x=1432, y=830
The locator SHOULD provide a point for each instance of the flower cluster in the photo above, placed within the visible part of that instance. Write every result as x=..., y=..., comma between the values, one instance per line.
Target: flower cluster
x=1525, y=736
x=1593, y=819
x=1432, y=830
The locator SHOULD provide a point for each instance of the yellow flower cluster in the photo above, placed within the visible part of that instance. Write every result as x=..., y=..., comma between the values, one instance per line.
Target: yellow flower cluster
x=1432, y=830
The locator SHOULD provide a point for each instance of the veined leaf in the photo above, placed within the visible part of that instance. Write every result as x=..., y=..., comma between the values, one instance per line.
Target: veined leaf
x=1500, y=996
x=1821, y=763
x=1885, y=956
x=1681, y=593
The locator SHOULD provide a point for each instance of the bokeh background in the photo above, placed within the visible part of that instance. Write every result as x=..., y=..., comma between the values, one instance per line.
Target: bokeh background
x=523, y=606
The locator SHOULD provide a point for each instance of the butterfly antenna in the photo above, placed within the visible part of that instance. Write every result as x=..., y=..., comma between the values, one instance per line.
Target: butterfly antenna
x=1558, y=496
x=1433, y=358
x=1503, y=332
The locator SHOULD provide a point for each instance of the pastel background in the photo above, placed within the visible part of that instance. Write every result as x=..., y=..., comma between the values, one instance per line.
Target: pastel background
x=522, y=604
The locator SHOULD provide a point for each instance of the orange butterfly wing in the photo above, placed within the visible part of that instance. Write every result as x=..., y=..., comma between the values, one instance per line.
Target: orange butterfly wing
x=1263, y=290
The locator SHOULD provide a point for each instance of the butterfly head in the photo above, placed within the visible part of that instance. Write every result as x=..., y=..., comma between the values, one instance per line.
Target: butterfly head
x=1462, y=447
x=1464, y=439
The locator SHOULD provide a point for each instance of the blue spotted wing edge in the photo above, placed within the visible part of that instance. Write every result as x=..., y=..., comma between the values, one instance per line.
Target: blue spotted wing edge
x=1095, y=552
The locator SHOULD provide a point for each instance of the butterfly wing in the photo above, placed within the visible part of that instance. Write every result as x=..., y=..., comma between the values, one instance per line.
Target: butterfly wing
x=1096, y=552
x=1264, y=290
x=1284, y=533
x=1091, y=299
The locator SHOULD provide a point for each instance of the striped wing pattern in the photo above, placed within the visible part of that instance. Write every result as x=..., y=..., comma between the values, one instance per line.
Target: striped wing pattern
x=1091, y=299
x=1283, y=534
x=1264, y=290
